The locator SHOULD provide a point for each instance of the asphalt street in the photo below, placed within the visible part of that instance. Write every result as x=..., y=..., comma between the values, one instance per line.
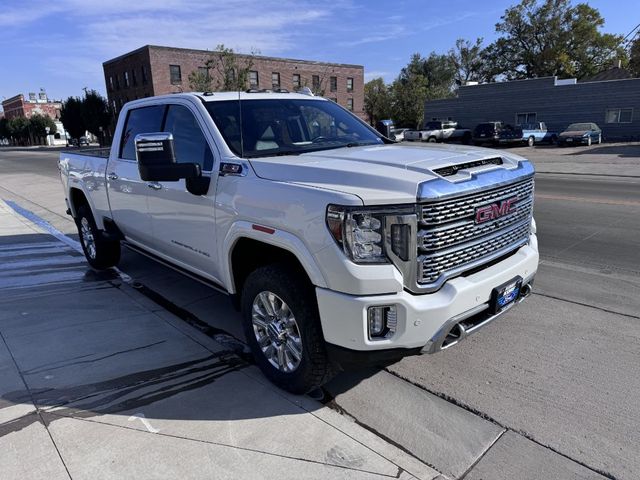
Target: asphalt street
x=558, y=377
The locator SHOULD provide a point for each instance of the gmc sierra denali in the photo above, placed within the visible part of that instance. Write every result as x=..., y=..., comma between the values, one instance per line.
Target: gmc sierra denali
x=337, y=246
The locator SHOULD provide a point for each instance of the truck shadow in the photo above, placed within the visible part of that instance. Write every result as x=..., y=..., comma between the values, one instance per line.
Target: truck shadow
x=77, y=350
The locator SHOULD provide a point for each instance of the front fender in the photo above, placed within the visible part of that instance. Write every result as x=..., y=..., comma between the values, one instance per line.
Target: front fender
x=279, y=238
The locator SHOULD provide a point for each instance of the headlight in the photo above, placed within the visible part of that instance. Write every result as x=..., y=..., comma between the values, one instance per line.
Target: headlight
x=359, y=232
x=365, y=234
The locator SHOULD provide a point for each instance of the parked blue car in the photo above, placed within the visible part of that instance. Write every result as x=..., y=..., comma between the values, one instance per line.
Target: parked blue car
x=580, y=134
x=533, y=133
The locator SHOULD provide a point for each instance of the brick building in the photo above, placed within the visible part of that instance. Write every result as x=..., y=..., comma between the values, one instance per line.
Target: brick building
x=17, y=106
x=153, y=70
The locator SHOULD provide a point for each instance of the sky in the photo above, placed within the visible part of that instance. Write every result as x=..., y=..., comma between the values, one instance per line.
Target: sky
x=59, y=45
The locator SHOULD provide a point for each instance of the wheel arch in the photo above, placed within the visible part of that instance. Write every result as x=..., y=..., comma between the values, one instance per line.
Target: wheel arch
x=248, y=249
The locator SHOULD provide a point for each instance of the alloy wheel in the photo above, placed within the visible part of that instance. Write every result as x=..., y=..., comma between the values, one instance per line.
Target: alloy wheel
x=276, y=331
x=87, y=237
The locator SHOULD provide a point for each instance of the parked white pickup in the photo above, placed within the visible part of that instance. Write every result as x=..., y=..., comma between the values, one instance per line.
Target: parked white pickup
x=437, y=131
x=337, y=245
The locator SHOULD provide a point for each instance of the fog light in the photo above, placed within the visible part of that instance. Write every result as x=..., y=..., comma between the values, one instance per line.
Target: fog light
x=382, y=321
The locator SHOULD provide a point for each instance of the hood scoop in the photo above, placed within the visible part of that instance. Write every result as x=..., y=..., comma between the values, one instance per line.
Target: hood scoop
x=453, y=169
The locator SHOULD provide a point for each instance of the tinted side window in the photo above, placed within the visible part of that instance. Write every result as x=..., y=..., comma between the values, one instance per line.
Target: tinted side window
x=140, y=120
x=189, y=142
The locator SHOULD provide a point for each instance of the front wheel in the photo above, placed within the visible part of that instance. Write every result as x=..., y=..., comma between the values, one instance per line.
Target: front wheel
x=588, y=141
x=531, y=141
x=100, y=252
x=282, y=327
x=432, y=140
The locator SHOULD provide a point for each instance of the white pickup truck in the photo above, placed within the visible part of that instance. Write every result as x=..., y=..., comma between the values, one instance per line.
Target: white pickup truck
x=438, y=132
x=337, y=246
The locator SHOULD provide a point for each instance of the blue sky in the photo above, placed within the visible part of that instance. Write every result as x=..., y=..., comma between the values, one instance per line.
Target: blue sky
x=60, y=45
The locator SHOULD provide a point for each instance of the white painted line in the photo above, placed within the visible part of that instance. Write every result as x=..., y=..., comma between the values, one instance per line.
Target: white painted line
x=145, y=422
x=47, y=227
x=44, y=225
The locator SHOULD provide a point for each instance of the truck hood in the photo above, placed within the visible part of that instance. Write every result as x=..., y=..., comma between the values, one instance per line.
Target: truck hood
x=385, y=174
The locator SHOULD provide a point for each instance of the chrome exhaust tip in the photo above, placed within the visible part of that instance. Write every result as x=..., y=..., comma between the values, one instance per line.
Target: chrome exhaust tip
x=525, y=291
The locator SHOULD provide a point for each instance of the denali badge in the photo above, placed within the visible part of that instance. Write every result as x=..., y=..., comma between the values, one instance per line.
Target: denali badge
x=496, y=210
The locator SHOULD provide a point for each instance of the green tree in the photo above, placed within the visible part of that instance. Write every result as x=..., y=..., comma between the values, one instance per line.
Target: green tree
x=470, y=62
x=226, y=70
x=72, y=117
x=634, y=57
x=4, y=128
x=422, y=79
x=552, y=37
x=38, y=126
x=96, y=114
x=19, y=129
x=200, y=81
x=377, y=100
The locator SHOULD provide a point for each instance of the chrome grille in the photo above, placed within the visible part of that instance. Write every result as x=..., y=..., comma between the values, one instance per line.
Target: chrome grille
x=432, y=266
x=466, y=230
x=450, y=210
x=450, y=241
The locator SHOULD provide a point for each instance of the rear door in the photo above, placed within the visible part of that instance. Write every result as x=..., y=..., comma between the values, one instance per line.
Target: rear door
x=127, y=192
x=184, y=223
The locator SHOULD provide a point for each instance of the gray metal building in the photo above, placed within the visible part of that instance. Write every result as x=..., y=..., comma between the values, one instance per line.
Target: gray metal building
x=613, y=104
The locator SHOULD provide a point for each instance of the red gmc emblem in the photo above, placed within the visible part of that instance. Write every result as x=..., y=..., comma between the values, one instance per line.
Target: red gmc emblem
x=496, y=210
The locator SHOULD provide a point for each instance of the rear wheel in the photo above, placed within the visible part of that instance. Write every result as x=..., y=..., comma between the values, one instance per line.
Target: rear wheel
x=282, y=327
x=100, y=252
x=599, y=139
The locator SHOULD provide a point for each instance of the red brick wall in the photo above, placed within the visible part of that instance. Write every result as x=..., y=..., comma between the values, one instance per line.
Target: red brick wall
x=17, y=107
x=158, y=60
x=132, y=64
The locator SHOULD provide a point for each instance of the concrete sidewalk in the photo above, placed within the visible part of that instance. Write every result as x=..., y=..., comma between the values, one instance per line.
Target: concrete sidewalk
x=97, y=381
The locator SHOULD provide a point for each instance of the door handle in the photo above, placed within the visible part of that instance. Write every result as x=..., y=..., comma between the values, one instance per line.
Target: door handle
x=154, y=185
x=112, y=176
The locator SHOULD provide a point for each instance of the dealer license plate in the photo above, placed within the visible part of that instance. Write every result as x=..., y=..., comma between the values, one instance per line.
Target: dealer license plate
x=505, y=294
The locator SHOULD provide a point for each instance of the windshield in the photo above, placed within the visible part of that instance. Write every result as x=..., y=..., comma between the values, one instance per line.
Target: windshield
x=576, y=127
x=287, y=126
x=432, y=126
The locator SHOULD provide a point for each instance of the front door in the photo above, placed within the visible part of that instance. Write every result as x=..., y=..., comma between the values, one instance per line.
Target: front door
x=184, y=223
x=127, y=192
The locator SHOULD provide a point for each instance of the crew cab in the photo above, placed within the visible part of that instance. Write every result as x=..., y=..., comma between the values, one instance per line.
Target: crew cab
x=337, y=245
x=440, y=131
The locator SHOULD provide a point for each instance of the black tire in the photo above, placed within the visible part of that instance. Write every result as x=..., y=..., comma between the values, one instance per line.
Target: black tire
x=589, y=141
x=432, y=139
x=531, y=141
x=314, y=368
x=477, y=144
x=100, y=252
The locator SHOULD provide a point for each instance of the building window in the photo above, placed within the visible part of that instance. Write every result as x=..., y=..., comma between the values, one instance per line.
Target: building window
x=333, y=84
x=110, y=83
x=126, y=79
x=134, y=80
x=523, y=118
x=203, y=72
x=176, y=75
x=349, y=84
x=275, y=80
x=315, y=82
x=144, y=75
x=253, y=79
x=350, y=104
x=117, y=82
x=296, y=81
x=619, y=115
